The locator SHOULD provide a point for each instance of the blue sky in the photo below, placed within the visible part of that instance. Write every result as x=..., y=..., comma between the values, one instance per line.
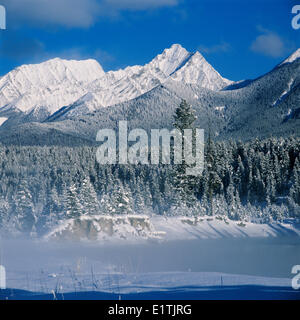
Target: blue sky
x=241, y=39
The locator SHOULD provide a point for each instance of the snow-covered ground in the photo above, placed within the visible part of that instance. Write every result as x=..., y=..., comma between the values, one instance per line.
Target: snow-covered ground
x=142, y=227
x=184, y=285
x=175, y=228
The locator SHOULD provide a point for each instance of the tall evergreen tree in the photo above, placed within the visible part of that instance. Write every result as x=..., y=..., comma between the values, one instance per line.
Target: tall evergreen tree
x=184, y=118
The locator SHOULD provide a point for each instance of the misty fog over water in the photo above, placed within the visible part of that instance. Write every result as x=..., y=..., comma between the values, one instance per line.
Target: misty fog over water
x=272, y=257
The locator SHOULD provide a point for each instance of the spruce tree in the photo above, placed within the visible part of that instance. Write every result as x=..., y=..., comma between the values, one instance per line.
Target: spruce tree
x=73, y=207
x=184, y=184
x=24, y=217
x=118, y=201
x=88, y=198
x=122, y=201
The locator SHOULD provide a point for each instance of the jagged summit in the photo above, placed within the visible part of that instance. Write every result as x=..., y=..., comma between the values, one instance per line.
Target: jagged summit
x=171, y=59
x=58, y=83
x=198, y=71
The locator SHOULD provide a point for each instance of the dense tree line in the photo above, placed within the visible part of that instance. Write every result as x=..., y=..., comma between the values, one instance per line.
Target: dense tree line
x=40, y=186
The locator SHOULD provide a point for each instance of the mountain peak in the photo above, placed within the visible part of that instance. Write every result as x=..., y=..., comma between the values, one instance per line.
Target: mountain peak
x=293, y=57
x=197, y=70
x=57, y=83
x=61, y=61
x=52, y=84
x=89, y=65
x=175, y=48
x=171, y=59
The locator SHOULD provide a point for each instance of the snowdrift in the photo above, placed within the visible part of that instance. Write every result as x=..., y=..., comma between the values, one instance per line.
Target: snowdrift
x=140, y=227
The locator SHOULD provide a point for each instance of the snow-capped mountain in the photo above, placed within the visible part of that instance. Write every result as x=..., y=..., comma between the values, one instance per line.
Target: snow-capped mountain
x=51, y=84
x=85, y=86
x=123, y=85
x=71, y=109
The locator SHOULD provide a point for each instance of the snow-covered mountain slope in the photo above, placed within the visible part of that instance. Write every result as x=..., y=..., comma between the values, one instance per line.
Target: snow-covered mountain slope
x=153, y=109
x=51, y=84
x=58, y=83
x=256, y=108
x=123, y=85
x=198, y=71
x=245, y=112
x=292, y=57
